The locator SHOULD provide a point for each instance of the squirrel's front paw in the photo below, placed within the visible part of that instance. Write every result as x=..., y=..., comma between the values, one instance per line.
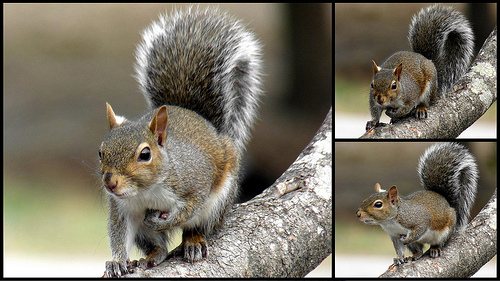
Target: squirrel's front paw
x=373, y=124
x=115, y=269
x=157, y=220
x=142, y=263
x=398, y=261
x=404, y=239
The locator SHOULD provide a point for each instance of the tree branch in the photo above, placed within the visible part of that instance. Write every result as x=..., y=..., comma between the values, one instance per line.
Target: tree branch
x=464, y=254
x=472, y=96
x=286, y=231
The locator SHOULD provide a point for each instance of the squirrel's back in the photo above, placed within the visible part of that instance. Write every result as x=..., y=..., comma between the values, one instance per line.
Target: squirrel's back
x=451, y=170
x=204, y=61
x=444, y=36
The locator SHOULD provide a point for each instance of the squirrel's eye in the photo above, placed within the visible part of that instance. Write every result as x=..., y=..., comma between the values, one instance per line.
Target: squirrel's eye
x=394, y=85
x=378, y=204
x=100, y=155
x=371, y=85
x=145, y=154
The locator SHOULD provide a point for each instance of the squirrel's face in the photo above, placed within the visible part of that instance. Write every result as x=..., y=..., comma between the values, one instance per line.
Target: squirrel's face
x=127, y=164
x=385, y=95
x=379, y=206
x=374, y=208
x=130, y=155
x=385, y=84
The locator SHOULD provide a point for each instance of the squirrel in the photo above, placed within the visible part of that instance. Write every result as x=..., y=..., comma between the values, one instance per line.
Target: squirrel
x=442, y=43
x=178, y=165
x=449, y=174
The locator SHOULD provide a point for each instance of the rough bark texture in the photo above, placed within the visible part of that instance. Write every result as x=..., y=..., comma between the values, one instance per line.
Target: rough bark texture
x=464, y=255
x=473, y=95
x=286, y=231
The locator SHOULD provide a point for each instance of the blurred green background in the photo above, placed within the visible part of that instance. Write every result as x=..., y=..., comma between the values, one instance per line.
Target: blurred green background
x=62, y=62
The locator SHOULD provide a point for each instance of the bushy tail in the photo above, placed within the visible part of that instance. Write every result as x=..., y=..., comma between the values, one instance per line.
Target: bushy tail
x=444, y=36
x=451, y=170
x=204, y=61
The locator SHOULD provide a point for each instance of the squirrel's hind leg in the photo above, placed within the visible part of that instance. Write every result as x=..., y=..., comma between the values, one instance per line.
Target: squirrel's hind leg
x=193, y=247
x=154, y=245
x=416, y=249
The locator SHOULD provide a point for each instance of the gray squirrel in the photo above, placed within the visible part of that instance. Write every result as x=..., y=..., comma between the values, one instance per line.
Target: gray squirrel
x=442, y=43
x=178, y=165
x=449, y=174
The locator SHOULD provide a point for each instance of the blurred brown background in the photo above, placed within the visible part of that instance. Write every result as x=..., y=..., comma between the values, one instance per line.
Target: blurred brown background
x=373, y=31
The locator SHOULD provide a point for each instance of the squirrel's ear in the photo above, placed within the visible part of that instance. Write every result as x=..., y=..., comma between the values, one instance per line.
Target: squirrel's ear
x=159, y=125
x=378, y=188
x=397, y=71
x=113, y=120
x=393, y=194
x=375, y=68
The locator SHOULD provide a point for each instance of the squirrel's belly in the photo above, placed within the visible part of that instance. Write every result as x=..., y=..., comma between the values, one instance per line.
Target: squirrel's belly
x=435, y=237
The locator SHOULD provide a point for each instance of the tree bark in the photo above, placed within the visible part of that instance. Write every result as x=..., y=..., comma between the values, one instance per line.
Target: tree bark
x=286, y=231
x=473, y=95
x=464, y=254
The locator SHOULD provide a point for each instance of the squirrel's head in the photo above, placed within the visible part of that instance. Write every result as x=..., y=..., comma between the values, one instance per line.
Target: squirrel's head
x=379, y=206
x=130, y=154
x=385, y=84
